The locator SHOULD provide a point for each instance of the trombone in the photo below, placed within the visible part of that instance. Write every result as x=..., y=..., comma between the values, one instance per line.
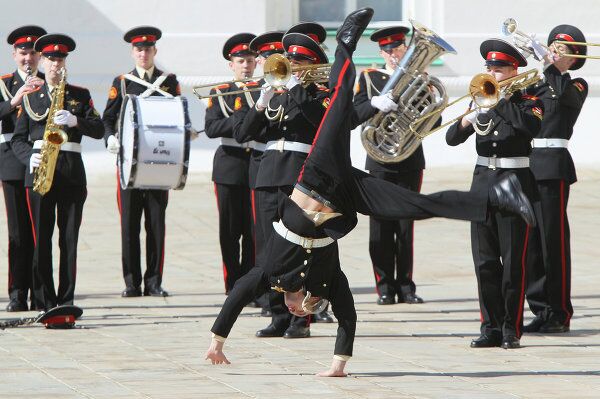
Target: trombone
x=485, y=92
x=277, y=72
x=520, y=39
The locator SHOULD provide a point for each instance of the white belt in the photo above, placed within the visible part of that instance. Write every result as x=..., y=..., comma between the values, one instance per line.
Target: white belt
x=282, y=145
x=507, y=163
x=68, y=146
x=232, y=143
x=549, y=143
x=304, y=242
x=5, y=137
x=257, y=146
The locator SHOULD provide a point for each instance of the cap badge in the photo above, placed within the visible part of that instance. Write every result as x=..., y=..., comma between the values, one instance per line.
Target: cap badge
x=144, y=38
x=56, y=47
x=28, y=38
x=244, y=47
x=294, y=48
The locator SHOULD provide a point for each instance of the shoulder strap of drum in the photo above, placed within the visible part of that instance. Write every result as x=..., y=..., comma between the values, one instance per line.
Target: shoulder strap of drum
x=151, y=87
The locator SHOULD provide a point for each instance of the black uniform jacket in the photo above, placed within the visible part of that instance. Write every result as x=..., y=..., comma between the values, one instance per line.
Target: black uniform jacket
x=10, y=167
x=514, y=124
x=69, y=166
x=370, y=83
x=563, y=99
x=243, y=136
x=110, y=117
x=230, y=164
x=303, y=109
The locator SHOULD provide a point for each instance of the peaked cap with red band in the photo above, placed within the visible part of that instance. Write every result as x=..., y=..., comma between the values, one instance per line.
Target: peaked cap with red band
x=238, y=46
x=142, y=36
x=25, y=36
x=302, y=47
x=570, y=33
x=268, y=43
x=498, y=52
x=311, y=29
x=55, y=45
x=390, y=37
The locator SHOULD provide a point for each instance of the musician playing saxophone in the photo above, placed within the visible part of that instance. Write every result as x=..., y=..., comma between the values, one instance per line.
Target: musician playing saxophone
x=64, y=201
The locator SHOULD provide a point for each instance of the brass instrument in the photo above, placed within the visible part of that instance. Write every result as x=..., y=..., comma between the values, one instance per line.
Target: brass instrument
x=277, y=72
x=485, y=92
x=54, y=137
x=520, y=39
x=394, y=136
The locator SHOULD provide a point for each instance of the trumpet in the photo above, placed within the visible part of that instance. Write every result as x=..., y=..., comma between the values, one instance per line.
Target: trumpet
x=521, y=39
x=485, y=92
x=277, y=72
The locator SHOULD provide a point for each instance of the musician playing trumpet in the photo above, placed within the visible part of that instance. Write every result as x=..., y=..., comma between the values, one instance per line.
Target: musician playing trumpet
x=549, y=260
x=63, y=203
x=499, y=244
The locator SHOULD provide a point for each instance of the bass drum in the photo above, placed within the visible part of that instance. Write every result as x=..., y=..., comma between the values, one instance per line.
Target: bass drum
x=154, y=134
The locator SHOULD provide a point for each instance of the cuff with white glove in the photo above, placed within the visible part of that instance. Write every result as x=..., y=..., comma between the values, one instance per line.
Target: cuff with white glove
x=64, y=117
x=266, y=94
x=472, y=117
x=384, y=103
x=112, y=144
x=34, y=161
x=293, y=82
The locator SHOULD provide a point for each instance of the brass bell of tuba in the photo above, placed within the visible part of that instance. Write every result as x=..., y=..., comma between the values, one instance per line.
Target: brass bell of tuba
x=390, y=137
x=54, y=137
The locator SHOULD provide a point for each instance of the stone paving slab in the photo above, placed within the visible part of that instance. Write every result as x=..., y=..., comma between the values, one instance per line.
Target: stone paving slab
x=154, y=347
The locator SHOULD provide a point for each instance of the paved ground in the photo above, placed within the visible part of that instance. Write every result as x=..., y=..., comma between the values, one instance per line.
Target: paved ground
x=154, y=347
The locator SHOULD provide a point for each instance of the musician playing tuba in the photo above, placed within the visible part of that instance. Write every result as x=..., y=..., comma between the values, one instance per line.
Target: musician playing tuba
x=499, y=244
x=64, y=201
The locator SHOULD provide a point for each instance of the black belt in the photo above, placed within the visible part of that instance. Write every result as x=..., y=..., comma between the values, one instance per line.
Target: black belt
x=315, y=195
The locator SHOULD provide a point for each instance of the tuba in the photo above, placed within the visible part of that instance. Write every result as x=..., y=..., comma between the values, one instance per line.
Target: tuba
x=54, y=137
x=389, y=137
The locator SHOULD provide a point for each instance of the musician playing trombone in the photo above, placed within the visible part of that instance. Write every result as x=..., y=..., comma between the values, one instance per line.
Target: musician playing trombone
x=499, y=243
x=302, y=253
x=549, y=260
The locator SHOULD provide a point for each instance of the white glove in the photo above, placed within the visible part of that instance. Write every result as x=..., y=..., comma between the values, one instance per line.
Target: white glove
x=293, y=82
x=194, y=134
x=472, y=117
x=538, y=48
x=384, y=103
x=64, y=117
x=112, y=144
x=266, y=94
x=34, y=161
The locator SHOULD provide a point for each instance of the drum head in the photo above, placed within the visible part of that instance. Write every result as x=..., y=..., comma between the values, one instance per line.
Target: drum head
x=128, y=139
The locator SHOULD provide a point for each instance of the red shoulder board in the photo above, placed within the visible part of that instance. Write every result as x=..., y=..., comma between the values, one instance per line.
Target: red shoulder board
x=238, y=103
x=224, y=86
x=529, y=97
x=178, y=89
x=8, y=75
x=579, y=86
x=91, y=102
x=279, y=91
x=251, y=84
x=323, y=88
x=370, y=69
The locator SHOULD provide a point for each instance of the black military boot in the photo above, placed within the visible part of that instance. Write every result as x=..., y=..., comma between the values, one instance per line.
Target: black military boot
x=508, y=195
x=353, y=27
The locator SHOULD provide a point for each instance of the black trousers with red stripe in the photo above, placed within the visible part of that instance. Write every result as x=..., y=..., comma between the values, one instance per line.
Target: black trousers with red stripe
x=153, y=204
x=235, y=224
x=499, y=248
x=266, y=213
x=549, y=256
x=63, y=205
x=391, y=242
x=20, y=241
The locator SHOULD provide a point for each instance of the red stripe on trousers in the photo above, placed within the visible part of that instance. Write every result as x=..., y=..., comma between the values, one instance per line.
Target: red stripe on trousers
x=339, y=83
x=563, y=259
x=222, y=263
x=31, y=217
x=522, y=297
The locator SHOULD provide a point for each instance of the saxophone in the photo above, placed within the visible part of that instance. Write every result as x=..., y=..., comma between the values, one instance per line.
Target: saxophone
x=54, y=137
